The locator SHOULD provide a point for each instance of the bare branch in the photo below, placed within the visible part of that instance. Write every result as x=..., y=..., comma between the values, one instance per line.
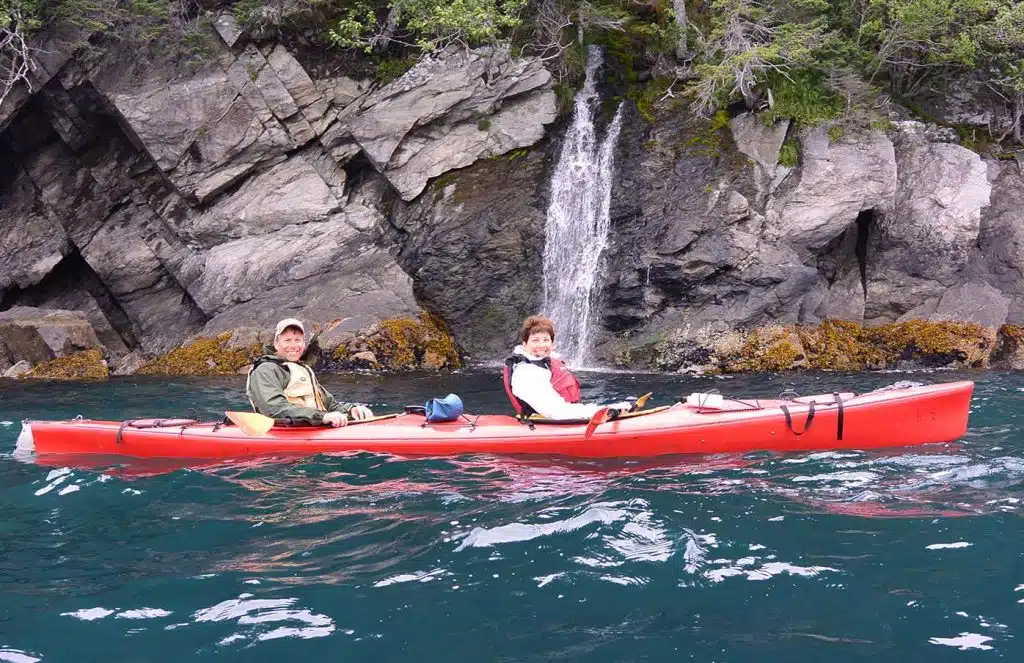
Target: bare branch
x=15, y=57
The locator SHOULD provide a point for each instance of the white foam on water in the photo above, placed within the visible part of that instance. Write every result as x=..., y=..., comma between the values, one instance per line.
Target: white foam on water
x=642, y=541
x=289, y=632
x=17, y=656
x=964, y=641
x=236, y=608
x=143, y=613
x=625, y=581
x=941, y=546
x=848, y=478
x=254, y=613
x=418, y=576
x=546, y=580
x=88, y=614
x=746, y=567
x=482, y=537
x=282, y=615
x=69, y=489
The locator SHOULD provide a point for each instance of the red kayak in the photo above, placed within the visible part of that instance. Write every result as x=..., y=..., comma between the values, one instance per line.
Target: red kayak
x=891, y=417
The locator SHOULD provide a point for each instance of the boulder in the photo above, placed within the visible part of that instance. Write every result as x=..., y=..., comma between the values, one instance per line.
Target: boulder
x=837, y=180
x=450, y=110
x=920, y=246
x=36, y=335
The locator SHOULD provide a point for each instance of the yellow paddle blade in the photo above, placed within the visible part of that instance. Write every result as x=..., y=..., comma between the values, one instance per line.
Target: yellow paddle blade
x=640, y=402
x=251, y=423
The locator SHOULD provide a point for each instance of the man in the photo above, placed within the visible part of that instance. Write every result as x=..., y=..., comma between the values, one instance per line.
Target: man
x=282, y=387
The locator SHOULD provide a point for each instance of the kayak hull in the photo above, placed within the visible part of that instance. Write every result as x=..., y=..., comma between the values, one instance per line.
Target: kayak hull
x=886, y=418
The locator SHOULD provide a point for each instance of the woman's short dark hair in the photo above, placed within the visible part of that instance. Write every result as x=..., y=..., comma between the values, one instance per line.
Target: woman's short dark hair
x=537, y=323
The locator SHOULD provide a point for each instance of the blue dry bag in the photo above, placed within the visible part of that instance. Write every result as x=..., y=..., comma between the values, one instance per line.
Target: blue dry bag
x=448, y=408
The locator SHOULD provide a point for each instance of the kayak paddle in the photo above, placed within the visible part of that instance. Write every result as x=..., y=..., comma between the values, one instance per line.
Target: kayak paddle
x=599, y=418
x=255, y=424
x=640, y=402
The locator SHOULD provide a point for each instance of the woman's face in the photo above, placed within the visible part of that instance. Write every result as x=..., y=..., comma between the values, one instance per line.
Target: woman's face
x=539, y=344
x=290, y=344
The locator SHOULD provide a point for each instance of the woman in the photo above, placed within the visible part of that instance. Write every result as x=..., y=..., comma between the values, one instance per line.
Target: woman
x=537, y=381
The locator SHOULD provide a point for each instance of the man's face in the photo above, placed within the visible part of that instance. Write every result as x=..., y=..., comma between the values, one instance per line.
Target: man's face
x=290, y=344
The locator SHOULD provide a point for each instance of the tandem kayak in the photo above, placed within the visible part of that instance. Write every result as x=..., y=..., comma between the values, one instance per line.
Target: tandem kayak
x=895, y=416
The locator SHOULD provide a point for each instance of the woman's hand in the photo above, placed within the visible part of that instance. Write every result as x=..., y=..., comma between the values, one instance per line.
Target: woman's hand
x=360, y=412
x=336, y=419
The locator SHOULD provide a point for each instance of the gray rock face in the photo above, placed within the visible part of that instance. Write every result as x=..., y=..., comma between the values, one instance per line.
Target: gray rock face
x=31, y=244
x=919, y=248
x=450, y=110
x=474, y=249
x=836, y=182
x=218, y=200
x=35, y=335
x=1001, y=239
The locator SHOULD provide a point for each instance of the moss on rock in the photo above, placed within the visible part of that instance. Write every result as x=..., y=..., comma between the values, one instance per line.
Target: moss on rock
x=767, y=349
x=84, y=365
x=204, y=356
x=840, y=345
x=399, y=344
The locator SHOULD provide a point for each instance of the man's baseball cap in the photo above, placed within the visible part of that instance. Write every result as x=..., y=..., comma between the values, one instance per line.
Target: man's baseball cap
x=285, y=324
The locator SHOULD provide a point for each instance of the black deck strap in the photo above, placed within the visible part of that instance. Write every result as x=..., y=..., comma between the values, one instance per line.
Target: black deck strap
x=839, y=426
x=789, y=419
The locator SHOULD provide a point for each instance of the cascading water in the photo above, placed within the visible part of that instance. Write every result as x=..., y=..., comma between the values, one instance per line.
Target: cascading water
x=578, y=220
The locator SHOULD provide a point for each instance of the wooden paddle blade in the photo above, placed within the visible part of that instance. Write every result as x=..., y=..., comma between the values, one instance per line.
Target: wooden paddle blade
x=599, y=418
x=640, y=402
x=251, y=423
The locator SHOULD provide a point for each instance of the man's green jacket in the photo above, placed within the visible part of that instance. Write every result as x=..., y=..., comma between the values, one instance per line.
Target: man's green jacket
x=265, y=389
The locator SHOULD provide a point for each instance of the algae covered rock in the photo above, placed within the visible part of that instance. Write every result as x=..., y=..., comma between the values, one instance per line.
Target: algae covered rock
x=204, y=356
x=838, y=345
x=85, y=365
x=398, y=344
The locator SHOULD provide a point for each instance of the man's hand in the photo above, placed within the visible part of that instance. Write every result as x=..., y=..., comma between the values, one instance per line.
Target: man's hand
x=335, y=419
x=360, y=412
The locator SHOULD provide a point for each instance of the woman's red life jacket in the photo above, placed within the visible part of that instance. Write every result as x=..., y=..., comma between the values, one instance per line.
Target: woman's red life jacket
x=562, y=379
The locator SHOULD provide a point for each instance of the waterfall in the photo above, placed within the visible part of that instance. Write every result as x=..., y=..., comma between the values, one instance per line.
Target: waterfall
x=578, y=220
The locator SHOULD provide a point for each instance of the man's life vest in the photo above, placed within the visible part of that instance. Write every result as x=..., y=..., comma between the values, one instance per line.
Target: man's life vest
x=302, y=388
x=562, y=379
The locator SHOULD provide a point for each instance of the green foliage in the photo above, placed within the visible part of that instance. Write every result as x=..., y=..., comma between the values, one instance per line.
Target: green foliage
x=803, y=97
x=712, y=141
x=647, y=95
x=789, y=154
x=388, y=69
x=483, y=124
x=835, y=132
x=428, y=25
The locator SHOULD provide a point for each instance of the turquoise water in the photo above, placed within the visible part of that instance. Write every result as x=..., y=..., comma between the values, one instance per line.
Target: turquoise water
x=883, y=556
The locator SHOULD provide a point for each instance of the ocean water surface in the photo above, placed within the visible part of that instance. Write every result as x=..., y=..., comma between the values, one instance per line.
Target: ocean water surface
x=894, y=555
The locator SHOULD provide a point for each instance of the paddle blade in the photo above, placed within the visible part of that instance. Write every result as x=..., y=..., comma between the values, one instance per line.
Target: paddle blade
x=251, y=423
x=599, y=418
x=640, y=402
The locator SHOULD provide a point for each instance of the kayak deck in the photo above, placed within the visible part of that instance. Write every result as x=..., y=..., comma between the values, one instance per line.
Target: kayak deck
x=885, y=418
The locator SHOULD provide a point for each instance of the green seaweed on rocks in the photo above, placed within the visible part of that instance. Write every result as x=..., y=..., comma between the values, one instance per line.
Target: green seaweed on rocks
x=205, y=355
x=84, y=365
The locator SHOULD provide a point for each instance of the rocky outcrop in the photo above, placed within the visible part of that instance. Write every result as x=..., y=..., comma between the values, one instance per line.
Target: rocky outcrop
x=474, y=245
x=450, y=110
x=38, y=335
x=166, y=203
x=173, y=206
